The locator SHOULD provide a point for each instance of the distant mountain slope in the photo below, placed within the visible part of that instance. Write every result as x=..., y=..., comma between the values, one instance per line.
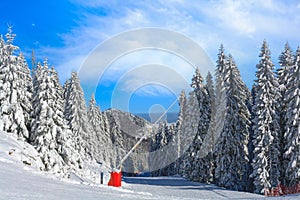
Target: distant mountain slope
x=126, y=129
x=152, y=117
x=129, y=123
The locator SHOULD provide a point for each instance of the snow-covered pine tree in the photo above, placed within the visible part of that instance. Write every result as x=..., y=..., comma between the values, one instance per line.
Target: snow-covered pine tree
x=159, y=141
x=284, y=73
x=291, y=136
x=197, y=83
x=27, y=89
x=199, y=164
x=178, y=129
x=220, y=102
x=94, y=116
x=118, y=141
x=249, y=103
x=65, y=144
x=265, y=124
x=171, y=150
x=189, y=130
x=105, y=126
x=204, y=103
x=103, y=148
x=232, y=146
x=211, y=93
x=13, y=113
x=44, y=129
x=251, y=138
x=76, y=115
x=286, y=62
x=58, y=88
x=169, y=147
x=206, y=160
x=105, y=123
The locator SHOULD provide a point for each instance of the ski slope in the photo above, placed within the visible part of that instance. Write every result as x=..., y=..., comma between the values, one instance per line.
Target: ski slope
x=19, y=180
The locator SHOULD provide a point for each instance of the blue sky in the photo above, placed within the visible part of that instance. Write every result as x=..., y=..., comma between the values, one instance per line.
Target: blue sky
x=66, y=32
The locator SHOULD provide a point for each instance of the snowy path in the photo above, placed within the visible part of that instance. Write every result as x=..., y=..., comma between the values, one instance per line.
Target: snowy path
x=17, y=182
x=178, y=188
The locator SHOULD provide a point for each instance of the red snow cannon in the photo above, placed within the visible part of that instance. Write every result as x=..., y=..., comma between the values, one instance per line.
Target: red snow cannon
x=115, y=179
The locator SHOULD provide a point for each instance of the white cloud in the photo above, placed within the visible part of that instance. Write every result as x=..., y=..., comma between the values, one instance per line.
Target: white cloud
x=239, y=25
x=154, y=76
x=230, y=15
x=124, y=52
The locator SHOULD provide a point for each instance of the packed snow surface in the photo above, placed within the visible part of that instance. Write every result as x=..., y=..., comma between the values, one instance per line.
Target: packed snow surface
x=19, y=182
x=20, y=178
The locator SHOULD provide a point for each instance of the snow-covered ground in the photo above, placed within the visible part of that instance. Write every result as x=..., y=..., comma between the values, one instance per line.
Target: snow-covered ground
x=20, y=178
x=19, y=182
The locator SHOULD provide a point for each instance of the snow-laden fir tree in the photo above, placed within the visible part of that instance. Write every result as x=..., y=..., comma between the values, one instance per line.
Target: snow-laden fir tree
x=117, y=138
x=45, y=128
x=76, y=115
x=94, y=116
x=292, y=136
x=189, y=131
x=167, y=146
x=284, y=73
x=159, y=141
x=212, y=108
x=27, y=89
x=251, y=137
x=204, y=102
x=286, y=62
x=265, y=124
x=178, y=129
x=171, y=151
x=14, y=92
x=211, y=93
x=200, y=152
x=206, y=160
x=105, y=123
x=232, y=146
x=198, y=86
x=220, y=100
x=103, y=149
x=65, y=143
